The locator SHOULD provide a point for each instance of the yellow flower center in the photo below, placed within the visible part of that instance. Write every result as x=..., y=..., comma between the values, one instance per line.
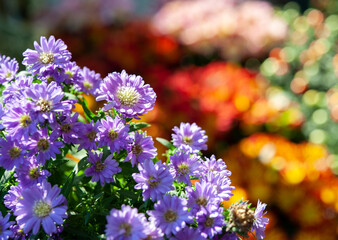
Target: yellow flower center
x=136, y=149
x=112, y=134
x=128, y=96
x=127, y=228
x=43, y=144
x=170, y=216
x=34, y=173
x=99, y=166
x=14, y=152
x=91, y=135
x=87, y=85
x=201, y=201
x=47, y=57
x=45, y=106
x=25, y=120
x=187, y=140
x=209, y=222
x=183, y=169
x=42, y=209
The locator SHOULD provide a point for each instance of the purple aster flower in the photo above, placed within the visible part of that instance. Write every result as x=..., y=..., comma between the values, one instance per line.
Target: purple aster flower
x=12, y=197
x=41, y=204
x=50, y=53
x=53, y=74
x=188, y=233
x=30, y=173
x=183, y=165
x=12, y=153
x=102, y=171
x=191, y=135
x=114, y=133
x=72, y=72
x=88, y=135
x=170, y=214
x=67, y=128
x=44, y=146
x=16, y=91
x=88, y=82
x=221, y=183
x=204, y=195
x=8, y=70
x=19, y=120
x=4, y=58
x=154, y=179
x=152, y=232
x=127, y=94
x=17, y=233
x=210, y=220
x=215, y=166
x=5, y=233
x=260, y=222
x=47, y=101
x=141, y=149
x=125, y=224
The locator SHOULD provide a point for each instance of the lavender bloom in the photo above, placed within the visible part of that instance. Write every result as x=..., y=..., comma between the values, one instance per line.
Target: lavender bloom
x=19, y=120
x=41, y=204
x=72, y=73
x=221, y=184
x=183, y=165
x=142, y=149
x=204, y=195
x=12, y=197
x=152, y=232
x=154, y=179
x=114, y=133
x=170, y=214
x=12, y=153
x=215, y=166
x=30, y=173
x=260, y=222
x=8, y=70
x=53, y=74
x=87, y=135
x=125, y=224
x=5, y=233
x=102, y=171
x=45, y=146
x=67, y=128
x=188, y=233
x=127, y=94
x=50, y=53
x=16, y=91
x=210, y=221
x=191, y=135
x=47, y=100
x=88, y=82
x=17, y=233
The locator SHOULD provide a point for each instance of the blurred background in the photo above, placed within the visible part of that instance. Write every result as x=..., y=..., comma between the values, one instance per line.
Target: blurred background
x=261, y=77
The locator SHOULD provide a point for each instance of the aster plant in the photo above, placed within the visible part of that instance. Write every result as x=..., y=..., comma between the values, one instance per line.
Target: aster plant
x=97, y=175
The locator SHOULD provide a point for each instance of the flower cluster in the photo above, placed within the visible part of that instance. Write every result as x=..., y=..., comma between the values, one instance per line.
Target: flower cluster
x=116, y=173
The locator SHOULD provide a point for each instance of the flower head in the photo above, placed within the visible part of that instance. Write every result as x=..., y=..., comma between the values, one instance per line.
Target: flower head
x=88, y=82
x=125, y=224
x=12, y=153
x=170, y=214
x=88, y=135
x=183, y=165
x=188, y=233
x=30, y=173
x=154, y=179
x=47, y=100
x=141, y=149
x=127, y=94
x=50, y=53
x=66, y=127
x=210, y=220
x=41, y=205
x=102, y=171
x=12, y=197
x=260, y=222
x=16, y=91
x=114, y=133
x=191, y=135
x=8, y=70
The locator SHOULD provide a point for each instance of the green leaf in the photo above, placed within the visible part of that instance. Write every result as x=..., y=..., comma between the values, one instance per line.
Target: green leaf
x=165, y=143
x=67, y=187
x=88, y=113
x=138, y=126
